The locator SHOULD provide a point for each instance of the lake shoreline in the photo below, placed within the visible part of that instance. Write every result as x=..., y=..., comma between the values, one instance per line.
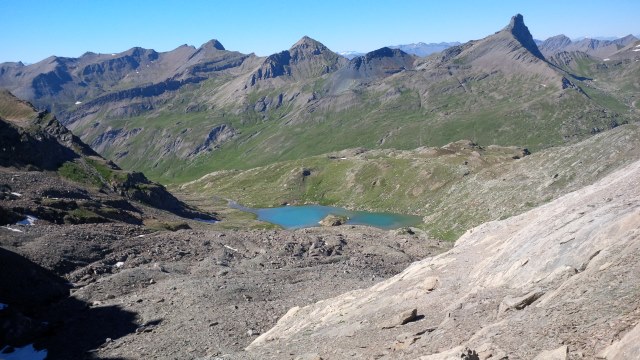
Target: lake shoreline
x=303, y=216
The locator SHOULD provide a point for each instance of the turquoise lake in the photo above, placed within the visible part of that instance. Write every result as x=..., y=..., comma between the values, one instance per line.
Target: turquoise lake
x=296, y=217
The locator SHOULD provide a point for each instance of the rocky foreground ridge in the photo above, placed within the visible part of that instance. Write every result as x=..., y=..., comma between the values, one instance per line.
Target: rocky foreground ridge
x=557, y=282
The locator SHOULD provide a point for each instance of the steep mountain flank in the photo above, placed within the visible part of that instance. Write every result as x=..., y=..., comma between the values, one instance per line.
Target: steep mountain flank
x=511, y=51
x=609, y=82
x=36, y=142
x=559, y=279
x=35, y=138
x=454, y=187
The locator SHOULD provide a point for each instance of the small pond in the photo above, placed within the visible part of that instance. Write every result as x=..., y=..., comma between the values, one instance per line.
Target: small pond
x=296, y=217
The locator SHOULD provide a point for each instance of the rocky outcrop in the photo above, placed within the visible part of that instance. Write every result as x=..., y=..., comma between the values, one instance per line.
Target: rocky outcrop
x=273, y=66
x=32, y=147
x=218, y=135
x=563, y=273
x=333, y=220
x=32, y=138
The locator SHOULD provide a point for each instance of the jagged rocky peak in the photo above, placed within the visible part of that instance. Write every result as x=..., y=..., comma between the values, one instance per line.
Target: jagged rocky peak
x=212, y=44
x=307, y=58
x=306, y=48
x=50, y=60
x=186, y=46
x=139, y=53
x=308, y=43
x=520, y=32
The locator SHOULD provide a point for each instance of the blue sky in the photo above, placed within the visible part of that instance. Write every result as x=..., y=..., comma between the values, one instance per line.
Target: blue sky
x=34, y=30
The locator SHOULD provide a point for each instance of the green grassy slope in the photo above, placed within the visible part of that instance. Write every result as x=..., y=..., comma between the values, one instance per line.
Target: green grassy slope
x=454, y=187
x=494, y=110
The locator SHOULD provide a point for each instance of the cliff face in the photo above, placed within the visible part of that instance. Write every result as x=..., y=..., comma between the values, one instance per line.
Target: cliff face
x=559, y=280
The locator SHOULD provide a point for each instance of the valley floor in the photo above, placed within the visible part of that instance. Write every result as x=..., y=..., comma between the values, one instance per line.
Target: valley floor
x=195, y=293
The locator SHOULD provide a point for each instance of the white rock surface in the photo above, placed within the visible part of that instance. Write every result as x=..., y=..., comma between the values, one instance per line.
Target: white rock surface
x=561, y=275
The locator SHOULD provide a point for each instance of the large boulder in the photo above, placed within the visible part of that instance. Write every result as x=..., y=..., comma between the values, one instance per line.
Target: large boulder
x=333, y=220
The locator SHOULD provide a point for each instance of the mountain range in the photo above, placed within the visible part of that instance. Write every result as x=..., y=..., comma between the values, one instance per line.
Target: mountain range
x=552, y=44
x=523, y=152
x=180, y=114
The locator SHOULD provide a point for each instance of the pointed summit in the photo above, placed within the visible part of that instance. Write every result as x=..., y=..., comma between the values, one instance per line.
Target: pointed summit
x=305, y=59
x=211, y=49
x=306, y=41
x=520, y=31
x=212, y=44
x=307, y=47
x=517, y=21
x=510, y=51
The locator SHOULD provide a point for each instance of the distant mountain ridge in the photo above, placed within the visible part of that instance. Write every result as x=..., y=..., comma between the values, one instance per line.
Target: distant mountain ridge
x=423, y=49
x=418, y=49
x=350, y=54
x=58, y=80
x=592, y=46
